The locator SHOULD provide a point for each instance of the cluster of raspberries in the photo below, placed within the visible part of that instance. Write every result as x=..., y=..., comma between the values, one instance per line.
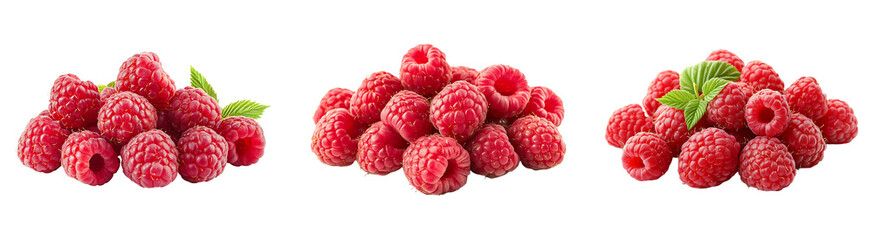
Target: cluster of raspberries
x=439, y=122
x=157, y=131
x=754, y=126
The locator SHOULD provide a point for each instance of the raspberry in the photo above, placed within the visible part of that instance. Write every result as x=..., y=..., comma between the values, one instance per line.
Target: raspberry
x=726, y=56
x=708, y=158
x=538, y=143
x=766, y=164
x=461, y=73
x=125, y=115
x=89, y=158
x=458, y=111
x=106, y=93
x=366, y=104
x=546, y=104
x=665, y=82
x=245, y=137
x=670, y=124
x=804, y=96
x=202, y=154
x=743, y=135
x=491, y=153
x=646, y=156
x=505, y=88
x=192, y=107
x=334, y=98
x=407, y=113
x=436, y=165
x=74, y=103
x=39, y=146
x=839, y=125
x=761, y=76
x=424, y=70
x=804, y=140
x=335, y=139
x=143, y=74
x=626, y=122
x=150, y=159
x=163, y=124
x=380, y=150
x=727, y=109
x=767, y=113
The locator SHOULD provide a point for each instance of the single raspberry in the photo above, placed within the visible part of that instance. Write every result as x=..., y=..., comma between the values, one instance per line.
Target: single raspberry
x=767, y=113
x=839, y=125
x=335, y=139
x=125, y=115
x=246, y=140
x=708, y=158
x=761, y=76
x=74, y=103
x=461, y=73
x=150, y=159
x=670, y=124
x=646, y=156
x=766, y=164
x=202, y=154
x=727, y=109
x=491, y=152
x=380, y=150
x=546, y=104
x=743, y=135
x=424, y=70
x=665, y=82
x=804, y=140
x=804, y=96
x=407, y=113
x=106, y=93
x=192, y=107
x=366, y=104
x=89, y=158
x=436, y=165
x=538, y=143
x=163, y=124
x=458, y=111
x=626, y=122
x=39, y=146
x=726, y=56
x=505, y=88
x=143, y=74
x=334, y=98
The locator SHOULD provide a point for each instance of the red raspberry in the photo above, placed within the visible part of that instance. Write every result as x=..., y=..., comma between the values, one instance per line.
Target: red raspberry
x=766, y=164
x=804, y=140
x=202, y=154
x=143, y=74
x=805, y=97
x=106, y=93
x=424, y=70
x=407, y=113
x=708, y=158
x=245, y=137
x=335, y=98
x=39, y=146
x=767, y=113
x=726, y=56
x=743, y=135
x=761, y=76
x=646, y=156
x=839, y=125
x=546, y=104
x=436, y=165
x=665, y=82
x=366, y=104
x=491, y=153
x=538, y=143
x=89, y=158
x=74, y=103
x=380, y=150
x=505, y=88
x=626, y=122
x=461, y=73
x=335, y=140
x=125, y=115
x=163, y=124
x=458, y=111
x=192, y=107
x=150, y=159
x=670, y=124
x=727, y=109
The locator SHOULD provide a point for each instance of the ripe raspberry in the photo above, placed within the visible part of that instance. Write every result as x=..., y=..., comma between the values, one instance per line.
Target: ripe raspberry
x=202, y=154
x=804, y=96
x=743, y=135
x=163, y=124
x=761, y=76
x=335, y=140
x=192, y=107
x=150, y=159
x=407, y=114
x=106, y=93
x=366, y=104
x=538, y=143
x=424, y=70
x=436, y=165
x=546, y=104
x=380, y=150
x=708, y=158
x=665, y=82
x=89, y=158
x=626, y=122
x=767, y=113
x=839, y=125
x=461, y=73
x=39, y=146
x=646, y=156
x=804, y=140
x=766, y=164
x=727, y=109
x=74, y=103
x=143, y=74
x=458, y=111
x=726, y=56
x=670, y=124
x=334, y=98
x=491, y=153
x=505, y=88
x=246, y=140
x=125, y=115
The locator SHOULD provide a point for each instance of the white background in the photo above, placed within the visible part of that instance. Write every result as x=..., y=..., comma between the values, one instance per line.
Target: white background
x=596, y=56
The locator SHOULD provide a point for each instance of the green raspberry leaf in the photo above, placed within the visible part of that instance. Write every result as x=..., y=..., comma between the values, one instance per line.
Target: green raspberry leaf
x=676, y=99
x=111, y=84
x=713, y=87
x=692, y=78
x=101, y=87
x=694, y=111
x=198, y=81
x=245, y=108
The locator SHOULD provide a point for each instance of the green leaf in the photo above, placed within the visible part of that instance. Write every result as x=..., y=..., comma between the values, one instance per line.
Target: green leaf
x=245, y=108
x=111, y=84
x=694, y=111
x=713, y=87
x=676, y=99
x=198, y=81
x=692, y=78
x=101, y=87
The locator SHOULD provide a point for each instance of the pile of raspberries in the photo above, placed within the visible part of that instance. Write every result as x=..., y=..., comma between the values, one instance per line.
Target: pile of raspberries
x=157, y=131
x=439, y=122
x=754, y=126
